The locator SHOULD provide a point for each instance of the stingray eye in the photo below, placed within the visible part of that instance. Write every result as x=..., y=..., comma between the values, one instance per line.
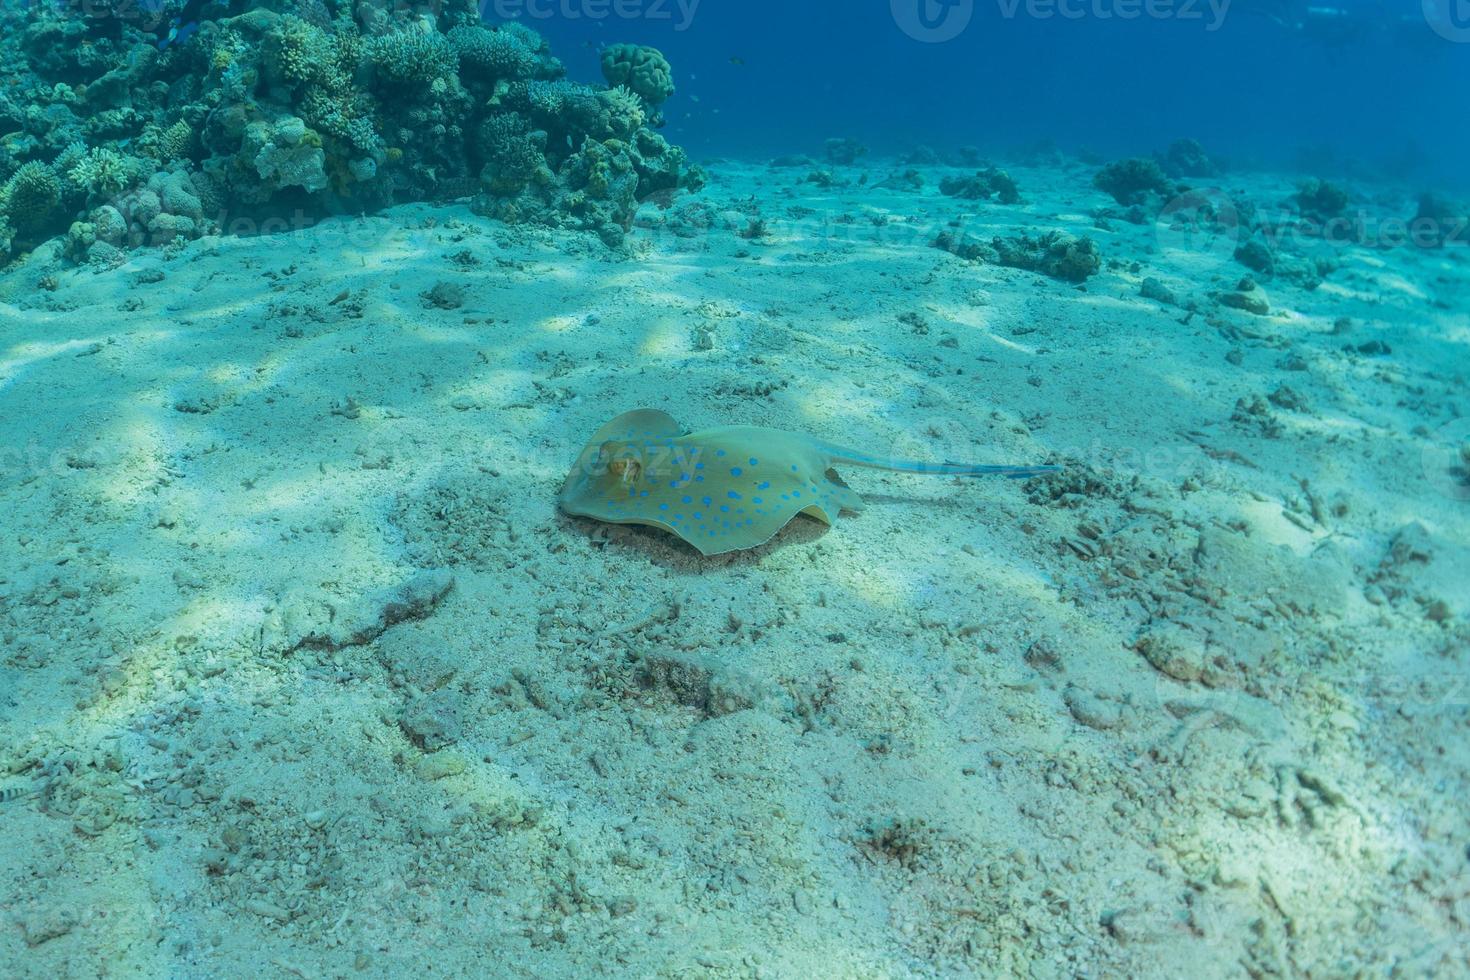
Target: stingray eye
x=622, y=462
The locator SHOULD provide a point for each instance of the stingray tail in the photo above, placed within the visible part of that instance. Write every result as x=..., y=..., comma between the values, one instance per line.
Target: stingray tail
x=840, y=454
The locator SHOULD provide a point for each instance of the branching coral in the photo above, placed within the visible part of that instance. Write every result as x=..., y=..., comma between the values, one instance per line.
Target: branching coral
x=626, y=114
x=104, y=172
x=493, y=55
x=411, y=60
x=515, y=154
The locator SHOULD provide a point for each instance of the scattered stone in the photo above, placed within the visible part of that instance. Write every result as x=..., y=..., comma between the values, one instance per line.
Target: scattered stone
x=440, y=765
x=1247, y=296
x=695, y=683
x=1257, y=256
x=1172, y=652
x=1155, y=290
x=47, y=924
x=1092, y=711
x=433, y=721
x=414, y=599
x=1044, y=655
x=1287, y=398
x=444, y=296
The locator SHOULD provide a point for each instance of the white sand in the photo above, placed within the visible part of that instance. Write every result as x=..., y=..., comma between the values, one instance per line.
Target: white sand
x=926, y=741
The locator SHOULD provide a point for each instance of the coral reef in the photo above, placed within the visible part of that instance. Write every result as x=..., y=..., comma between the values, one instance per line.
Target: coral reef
x=1439, y=222
x=1056, y=254
x=1262, y=256
x=1186, y=158
x=1320, y=200
x=982, y=186
x=127, y=130
x=845, y=152
x=1134, y=182
x=643, y=71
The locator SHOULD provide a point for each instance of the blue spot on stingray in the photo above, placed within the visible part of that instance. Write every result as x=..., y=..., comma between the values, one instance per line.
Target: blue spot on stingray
x=725, y=508
x=764, y=486
x=699, y=479
x=643, y=493
x=688, y=500
x=735, y=471
x=699, y=466
x=708, y=501
x=756, y=500
x=699, y=516
x=796, y=493
x=785, y=496
x=733, y=495
x=719, y=452
x=678, y=518
x=754, y=461
x=663, y=506
x=632, y=491
x=793, y=467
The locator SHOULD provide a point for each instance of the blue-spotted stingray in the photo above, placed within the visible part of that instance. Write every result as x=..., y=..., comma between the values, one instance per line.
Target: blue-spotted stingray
x=723, y=489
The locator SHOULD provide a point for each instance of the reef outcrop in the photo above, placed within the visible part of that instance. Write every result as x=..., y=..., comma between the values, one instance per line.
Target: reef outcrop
x=134, y=124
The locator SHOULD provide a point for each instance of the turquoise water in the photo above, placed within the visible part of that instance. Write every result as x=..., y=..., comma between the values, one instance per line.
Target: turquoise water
x=630, y=488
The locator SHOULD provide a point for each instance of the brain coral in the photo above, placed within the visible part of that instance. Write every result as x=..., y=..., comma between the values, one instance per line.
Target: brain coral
x=643, y=70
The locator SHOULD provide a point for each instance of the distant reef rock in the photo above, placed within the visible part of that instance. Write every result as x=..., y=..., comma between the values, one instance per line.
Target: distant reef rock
x=125, y=125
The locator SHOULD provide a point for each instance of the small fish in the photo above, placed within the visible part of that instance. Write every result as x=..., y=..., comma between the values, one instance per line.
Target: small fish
x=737, y=61
x=724, y=489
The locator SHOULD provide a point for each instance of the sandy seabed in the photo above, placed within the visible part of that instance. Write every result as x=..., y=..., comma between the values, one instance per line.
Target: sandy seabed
x=302, y=673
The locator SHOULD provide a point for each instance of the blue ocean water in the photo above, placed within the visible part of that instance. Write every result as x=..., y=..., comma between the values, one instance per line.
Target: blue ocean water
x=1356, y=85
